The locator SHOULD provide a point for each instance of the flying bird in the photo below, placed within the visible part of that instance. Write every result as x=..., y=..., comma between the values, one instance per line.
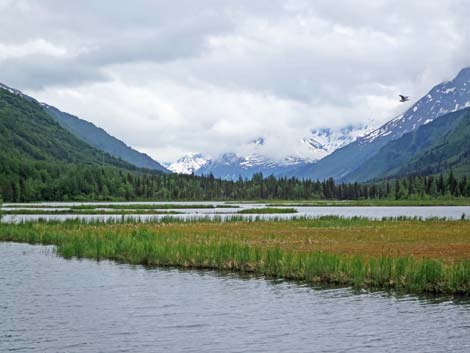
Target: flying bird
x=404, y=98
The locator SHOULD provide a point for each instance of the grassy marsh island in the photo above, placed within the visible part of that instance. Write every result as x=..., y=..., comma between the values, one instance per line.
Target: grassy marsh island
x=91, y=211
x=267, y=210
x=406, y=255
x=107, y=209
x=128, y=206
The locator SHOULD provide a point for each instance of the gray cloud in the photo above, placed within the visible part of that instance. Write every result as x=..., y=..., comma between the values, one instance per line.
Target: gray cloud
x=173, y=77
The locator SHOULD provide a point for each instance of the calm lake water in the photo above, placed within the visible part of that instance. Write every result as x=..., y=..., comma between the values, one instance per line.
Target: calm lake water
x=450, y=212
x=49, y=304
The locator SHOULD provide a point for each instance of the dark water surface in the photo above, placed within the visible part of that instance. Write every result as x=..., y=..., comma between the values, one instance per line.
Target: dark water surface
x=49, y=304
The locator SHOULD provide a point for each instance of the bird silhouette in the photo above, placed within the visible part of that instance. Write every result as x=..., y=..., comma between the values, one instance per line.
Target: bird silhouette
x=403, y=98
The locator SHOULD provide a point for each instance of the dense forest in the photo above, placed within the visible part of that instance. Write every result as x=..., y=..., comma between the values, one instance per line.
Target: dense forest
x=38, y=181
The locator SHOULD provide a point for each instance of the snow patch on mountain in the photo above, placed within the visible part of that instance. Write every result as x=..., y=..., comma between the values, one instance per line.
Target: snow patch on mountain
x=444, y=98
x=11, y=90
x=189, y=163
x=325, y=141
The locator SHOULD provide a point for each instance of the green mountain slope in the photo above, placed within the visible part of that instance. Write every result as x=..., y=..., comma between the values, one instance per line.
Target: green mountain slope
x=28, y=133
x=40, y=160
x=433, y=148
x=100, y=139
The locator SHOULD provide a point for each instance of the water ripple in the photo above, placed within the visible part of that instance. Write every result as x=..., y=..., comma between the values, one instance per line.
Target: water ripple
x=49, y=304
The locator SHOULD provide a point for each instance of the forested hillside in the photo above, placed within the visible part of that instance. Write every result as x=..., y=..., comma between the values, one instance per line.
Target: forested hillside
x=27, y=133
x=37, y=153
x=437, y=147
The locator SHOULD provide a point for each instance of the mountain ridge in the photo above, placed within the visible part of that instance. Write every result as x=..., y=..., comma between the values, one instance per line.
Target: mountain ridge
x=93, y=135
x=99, y=138
x=27, y=132
x=443, y=98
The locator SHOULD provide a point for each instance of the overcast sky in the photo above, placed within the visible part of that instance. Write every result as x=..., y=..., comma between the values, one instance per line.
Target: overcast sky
x=172, y=77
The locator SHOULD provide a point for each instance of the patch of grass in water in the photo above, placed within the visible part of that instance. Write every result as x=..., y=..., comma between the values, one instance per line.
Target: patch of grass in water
x=267, y=210
x=148, y=206
x=124, y=206
x=88, y=212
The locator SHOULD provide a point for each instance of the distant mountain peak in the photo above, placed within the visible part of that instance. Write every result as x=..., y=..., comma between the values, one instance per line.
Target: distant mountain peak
x=189, y=163
x=324, y=141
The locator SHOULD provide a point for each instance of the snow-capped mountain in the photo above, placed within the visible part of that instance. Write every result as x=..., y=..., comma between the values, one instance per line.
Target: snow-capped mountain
x=442, y=99
x=316, y=145
x=229, y=166
x=189, y=163
x=325, y=141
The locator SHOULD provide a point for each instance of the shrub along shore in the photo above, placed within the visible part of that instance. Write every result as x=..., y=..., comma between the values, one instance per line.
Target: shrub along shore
x=406, y=255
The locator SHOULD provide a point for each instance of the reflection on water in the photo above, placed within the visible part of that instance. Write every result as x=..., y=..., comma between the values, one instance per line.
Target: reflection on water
x=48, y=304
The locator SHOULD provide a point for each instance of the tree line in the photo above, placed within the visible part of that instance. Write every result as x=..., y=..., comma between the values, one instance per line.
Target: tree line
x=37, y=181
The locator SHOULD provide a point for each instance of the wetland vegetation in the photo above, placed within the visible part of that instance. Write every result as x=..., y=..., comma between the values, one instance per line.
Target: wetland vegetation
x=122, y=206
x=267, y=210
x=86, y=211
x=107, y=209
x=398, y=254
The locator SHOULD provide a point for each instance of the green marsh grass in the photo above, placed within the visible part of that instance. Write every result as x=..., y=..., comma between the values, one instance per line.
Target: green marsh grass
x=402, y=255
x=124, y=206
x=88, y=212
x=267, y=210
x=150, y=206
